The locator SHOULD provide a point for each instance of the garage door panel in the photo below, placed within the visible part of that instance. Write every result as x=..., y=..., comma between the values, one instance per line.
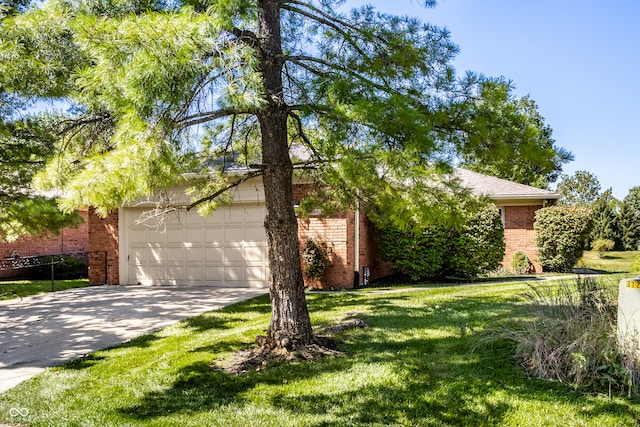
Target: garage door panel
x=214, y=236
x=234, y=273
x=254, y=234
x=155, y=236
x=254, y=273
x=194, y=274
x=175, y=255
x=176, y=273
x=254, y=254
x=254, y=214
x=214, y=255
x=193, y=236
x=175, y=235
x=194, y=255
x=233, y=254
x=214, y=273
x=139, y=236
x=157, y=255
x=233, y=235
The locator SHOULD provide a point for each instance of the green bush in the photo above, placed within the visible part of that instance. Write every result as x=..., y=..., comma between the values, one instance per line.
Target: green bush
x=315, y=258
x=603, y=245
x=561, y=233
x=65, y=267
x=635, y=265
x=520, y=262
x=441, y=251
x=418, y=256
x=478, y=248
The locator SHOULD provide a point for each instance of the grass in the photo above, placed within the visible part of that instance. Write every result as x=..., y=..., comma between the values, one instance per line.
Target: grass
x=418, y=363
x=23, y=288
x=612, y=262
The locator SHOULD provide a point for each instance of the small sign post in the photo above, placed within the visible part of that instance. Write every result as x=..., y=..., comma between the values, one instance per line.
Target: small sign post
x=629, y=312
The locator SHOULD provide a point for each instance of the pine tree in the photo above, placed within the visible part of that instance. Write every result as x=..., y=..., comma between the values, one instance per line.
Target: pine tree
x=605, y=218
x=156, y=89
x=629, y=222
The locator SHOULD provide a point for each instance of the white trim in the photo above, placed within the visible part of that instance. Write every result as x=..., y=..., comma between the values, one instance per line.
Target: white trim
x=123, y=245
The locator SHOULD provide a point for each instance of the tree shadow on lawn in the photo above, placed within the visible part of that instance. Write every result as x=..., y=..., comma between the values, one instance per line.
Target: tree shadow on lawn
x=441, y=381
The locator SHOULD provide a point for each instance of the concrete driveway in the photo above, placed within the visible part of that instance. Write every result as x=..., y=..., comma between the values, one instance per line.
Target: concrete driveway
x=46, y=330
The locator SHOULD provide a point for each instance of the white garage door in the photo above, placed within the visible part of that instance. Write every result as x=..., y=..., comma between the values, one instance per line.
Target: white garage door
x=227, y=248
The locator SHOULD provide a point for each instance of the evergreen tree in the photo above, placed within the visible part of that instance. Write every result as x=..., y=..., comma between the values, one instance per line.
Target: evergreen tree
x=605, y=219
x=159, y=88
x=629, y=222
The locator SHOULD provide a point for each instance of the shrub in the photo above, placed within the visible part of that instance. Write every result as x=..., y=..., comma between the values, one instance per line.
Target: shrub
x=561, y=233
x=635, y=265
x=603, y=245
x=440, y=251
x=520, y=262
x=316, y=259
x=478, y=248
x=571, y=337
x=65, y=267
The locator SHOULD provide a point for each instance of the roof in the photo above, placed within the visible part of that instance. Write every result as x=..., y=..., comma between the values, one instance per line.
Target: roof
x=500, y=189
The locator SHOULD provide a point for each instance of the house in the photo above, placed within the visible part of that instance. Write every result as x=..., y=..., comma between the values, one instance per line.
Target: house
x=229, y=247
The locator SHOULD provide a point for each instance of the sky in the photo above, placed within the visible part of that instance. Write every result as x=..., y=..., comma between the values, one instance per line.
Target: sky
x=579, y=60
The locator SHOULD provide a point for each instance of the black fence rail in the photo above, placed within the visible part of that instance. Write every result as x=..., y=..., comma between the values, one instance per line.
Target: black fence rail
x=17, y=262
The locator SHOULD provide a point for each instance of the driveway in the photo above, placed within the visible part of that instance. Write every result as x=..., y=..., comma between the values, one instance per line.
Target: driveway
x=47, y=330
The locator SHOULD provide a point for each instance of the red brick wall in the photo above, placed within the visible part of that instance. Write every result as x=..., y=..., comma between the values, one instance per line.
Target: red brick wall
x=338, y=231
x=103, y=242
x=68, y=240
x=519, y=234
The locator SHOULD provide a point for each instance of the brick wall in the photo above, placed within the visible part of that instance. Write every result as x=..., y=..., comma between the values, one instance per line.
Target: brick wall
x=68, y=240
x=519, y=234
x=339, y=231
x=103, y=249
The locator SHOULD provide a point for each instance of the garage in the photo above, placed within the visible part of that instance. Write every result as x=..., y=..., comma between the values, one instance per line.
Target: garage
x=227, y=248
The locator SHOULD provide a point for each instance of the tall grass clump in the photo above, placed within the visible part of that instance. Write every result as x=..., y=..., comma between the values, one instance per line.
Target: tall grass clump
x=569, y=335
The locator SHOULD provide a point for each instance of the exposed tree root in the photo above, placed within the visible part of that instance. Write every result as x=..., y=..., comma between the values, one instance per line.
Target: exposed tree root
x=288, y=348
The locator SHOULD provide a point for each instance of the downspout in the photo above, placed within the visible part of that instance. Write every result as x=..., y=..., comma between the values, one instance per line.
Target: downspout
x=356, y=247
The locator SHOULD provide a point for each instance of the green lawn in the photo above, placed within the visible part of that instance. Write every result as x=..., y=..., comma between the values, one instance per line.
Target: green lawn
x=418, y=363
x=23, y=288
x=612, y=262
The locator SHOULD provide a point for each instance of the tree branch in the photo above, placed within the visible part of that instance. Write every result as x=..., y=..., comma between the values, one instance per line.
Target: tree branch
x=200, y=118
x=249, y=175
x=328, y=21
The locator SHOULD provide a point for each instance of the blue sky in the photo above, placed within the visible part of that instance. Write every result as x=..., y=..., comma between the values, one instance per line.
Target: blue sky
x=579, y=60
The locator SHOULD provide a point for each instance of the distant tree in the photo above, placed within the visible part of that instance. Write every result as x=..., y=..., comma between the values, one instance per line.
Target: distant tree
x=633, y=198
x=629, y=219
x=580, y=189
x=629, y=222
x=604, y=211
x=520, y=124
x=24, y=149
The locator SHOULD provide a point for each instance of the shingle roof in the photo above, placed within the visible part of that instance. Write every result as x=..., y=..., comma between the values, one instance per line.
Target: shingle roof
x=499, y=189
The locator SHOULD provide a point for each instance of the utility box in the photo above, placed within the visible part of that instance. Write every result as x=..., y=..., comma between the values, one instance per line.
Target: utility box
x=629, y=312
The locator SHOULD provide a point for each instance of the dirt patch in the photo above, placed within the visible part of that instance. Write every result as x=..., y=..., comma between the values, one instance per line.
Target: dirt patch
x=267, y=353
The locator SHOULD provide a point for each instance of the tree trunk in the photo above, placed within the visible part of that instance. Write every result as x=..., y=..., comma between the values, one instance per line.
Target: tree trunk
x=290, y=325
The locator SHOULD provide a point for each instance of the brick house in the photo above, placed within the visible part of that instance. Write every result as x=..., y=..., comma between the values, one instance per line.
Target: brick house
x=229, y=247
